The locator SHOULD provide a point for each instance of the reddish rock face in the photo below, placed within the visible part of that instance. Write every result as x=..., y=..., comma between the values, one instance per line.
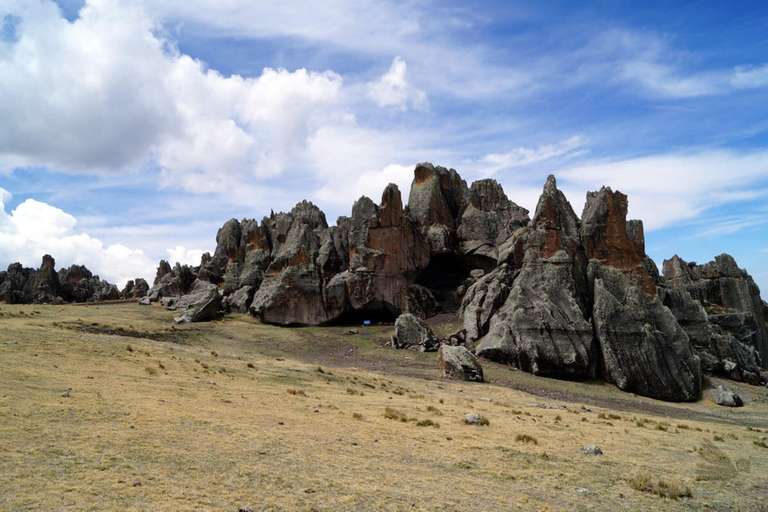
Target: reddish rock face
x=555, y=225
x=609, y=238
x=387, y=244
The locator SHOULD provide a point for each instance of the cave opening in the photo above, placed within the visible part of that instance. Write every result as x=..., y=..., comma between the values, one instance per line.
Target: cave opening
x=377, y=313
x=443, y=275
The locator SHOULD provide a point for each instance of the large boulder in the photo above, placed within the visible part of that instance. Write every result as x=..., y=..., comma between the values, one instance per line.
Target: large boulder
x=412, y=333
x=456, y=362
x=201, y=304
x=727, y=398
x=644, y=349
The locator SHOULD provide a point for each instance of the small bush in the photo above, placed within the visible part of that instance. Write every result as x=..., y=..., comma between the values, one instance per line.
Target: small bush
x=643, y=481
x=525, y=438
x=394, y=414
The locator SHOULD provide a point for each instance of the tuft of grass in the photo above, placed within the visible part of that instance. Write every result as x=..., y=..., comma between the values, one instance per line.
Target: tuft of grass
x=150, y=371
x=353, y=391
x=558, y=418
x=129, y=347
x=601, y=416
x=661, y=427
x=296, y=392
x=718, y=438
x=525, y=438
x=393, y=414
x=357, y=416
x=614, y=417
x=214, y=354
x=761, y=444
x=427, y=423
x=250, y=365
x=644, y=482
x=434, y=410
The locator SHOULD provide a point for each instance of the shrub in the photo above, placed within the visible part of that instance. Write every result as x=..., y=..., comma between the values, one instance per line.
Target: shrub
x=394, y=414
x=525, y=438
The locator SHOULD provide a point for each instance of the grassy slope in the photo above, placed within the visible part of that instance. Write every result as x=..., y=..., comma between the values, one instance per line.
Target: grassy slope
x=182, y=422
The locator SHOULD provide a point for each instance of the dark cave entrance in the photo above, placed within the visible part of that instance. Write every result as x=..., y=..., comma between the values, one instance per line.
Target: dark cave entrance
x=442, y=276
x=378, y=313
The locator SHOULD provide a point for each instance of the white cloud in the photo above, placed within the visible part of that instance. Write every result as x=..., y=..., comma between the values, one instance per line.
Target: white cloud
x=666, y=189
x=519, y=157
x=370, y=183
x=394, y=90
x=749, y=77
x=108, y=93
x=34, y=229
x=181, y=254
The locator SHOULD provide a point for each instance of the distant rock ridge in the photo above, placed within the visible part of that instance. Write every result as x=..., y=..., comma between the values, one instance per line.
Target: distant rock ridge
x=22, y=285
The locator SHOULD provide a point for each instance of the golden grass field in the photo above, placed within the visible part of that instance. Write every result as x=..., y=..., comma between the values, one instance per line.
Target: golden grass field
x=235, y=414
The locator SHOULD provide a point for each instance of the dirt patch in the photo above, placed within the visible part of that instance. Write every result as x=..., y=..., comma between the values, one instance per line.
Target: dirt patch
x=173, y=336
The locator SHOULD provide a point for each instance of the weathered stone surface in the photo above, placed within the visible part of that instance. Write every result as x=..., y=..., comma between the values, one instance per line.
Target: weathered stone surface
x=608, y=237
x=177, y=282
x=456, y=362
x=18, y=285
x=488, y=221
x=46, y=286
x=729, y=294
x=644, y=349
x=163, y=268
x=412, y=333
x=727, y=398
x=202, y=304
x=437, y=201
x=385, y=253
x=543, y=326
x=483, y=299
x=241, y=300
x=292, y=297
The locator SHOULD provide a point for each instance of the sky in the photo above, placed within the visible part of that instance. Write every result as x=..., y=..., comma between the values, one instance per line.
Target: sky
x=130, y=131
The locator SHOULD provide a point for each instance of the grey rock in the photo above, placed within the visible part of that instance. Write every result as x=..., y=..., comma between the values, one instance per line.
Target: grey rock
x=483, y=298
x=412, y=333
x=473, y=419
x=202, y=304
x=144, y=301
x=591, y=450
x=645, y=350
x=240, y=301
x=457, y=362
x=292, y=297
x=727, y=398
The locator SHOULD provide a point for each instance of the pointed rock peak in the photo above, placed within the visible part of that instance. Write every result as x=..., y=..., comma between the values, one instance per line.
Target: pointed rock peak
x=391, y=197
x=554, y=211
x=487, y=194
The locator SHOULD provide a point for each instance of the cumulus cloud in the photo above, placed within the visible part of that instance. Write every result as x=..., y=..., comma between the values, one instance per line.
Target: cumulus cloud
x=371, y=183
x=181, y=254
x=393, y=89
x=35, y=228
x=108, y=93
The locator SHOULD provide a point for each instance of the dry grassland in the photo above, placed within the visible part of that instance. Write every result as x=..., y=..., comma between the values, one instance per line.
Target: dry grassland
x=235, y=414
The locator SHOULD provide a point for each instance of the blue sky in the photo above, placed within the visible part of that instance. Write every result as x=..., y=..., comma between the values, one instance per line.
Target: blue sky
x=130, y=131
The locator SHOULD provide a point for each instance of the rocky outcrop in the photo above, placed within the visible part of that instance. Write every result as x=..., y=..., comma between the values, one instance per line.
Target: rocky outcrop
x=644, y=349
x=729, y=296
x=543, y=326
x=412, y=333
x=135, y=289
x=459, y=363
x=176, y=282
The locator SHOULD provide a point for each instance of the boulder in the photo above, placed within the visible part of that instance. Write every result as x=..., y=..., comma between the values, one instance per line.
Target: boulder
x=201, y=304
x=727, y=398
x=645, y=351
x=412, y=333
x=456, y=362
x=241, y=300
x=483, y=298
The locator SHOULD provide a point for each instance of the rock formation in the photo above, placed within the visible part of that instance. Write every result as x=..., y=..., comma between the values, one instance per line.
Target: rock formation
x=459, y=363
x=20, y=285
